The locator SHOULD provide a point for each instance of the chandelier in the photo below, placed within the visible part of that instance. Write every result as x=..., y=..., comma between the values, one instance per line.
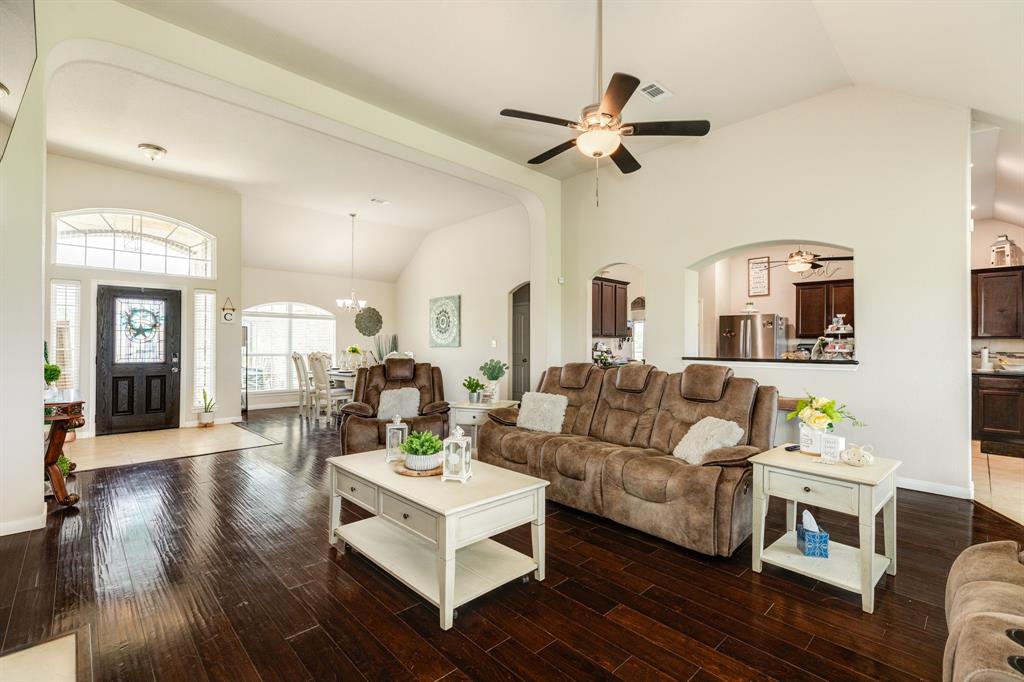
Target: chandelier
x=352, y=303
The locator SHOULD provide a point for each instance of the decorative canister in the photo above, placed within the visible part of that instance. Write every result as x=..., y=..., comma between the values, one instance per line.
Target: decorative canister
x=810, y=439
x=423, y=462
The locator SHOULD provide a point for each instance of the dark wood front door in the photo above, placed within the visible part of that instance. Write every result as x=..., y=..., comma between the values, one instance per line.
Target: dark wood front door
x=138, y=359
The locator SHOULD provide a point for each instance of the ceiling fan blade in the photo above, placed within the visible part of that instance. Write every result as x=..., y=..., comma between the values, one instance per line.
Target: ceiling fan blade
x=553, y=152
x=626, y=162
x=515, y=113
x=832, y=258
x=620, y=88
x=815, y=266
x=692, y=128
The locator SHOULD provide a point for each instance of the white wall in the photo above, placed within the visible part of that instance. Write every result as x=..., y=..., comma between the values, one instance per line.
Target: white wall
x=882, y=173
x=22, y=185
x=482, y=259
x=270, y=286
x=72, y=184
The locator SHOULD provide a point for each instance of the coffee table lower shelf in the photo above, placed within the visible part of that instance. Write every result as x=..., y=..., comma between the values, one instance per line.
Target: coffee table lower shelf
x=841, y=568
x=412, y=560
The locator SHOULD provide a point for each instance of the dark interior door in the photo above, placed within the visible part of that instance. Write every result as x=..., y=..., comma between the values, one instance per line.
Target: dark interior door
x=520, y=342
x=138, y=359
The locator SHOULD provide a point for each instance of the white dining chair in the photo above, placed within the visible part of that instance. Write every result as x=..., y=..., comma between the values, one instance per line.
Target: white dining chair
x=326, y=400
x=304, y=384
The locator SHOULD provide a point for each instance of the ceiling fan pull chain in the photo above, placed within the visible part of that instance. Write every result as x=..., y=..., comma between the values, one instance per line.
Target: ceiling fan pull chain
x=597, y=182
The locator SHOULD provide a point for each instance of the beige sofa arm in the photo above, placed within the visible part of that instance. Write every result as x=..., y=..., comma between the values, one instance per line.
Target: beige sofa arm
x=506, y=416
x=734, y=456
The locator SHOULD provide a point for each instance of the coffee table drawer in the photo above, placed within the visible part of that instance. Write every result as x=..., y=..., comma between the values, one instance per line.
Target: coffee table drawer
x=359, y=491
x=470, y=417
x=415, y=519
x=835, y=495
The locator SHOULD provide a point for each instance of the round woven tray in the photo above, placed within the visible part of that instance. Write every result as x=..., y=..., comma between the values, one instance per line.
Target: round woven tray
x=400, y=468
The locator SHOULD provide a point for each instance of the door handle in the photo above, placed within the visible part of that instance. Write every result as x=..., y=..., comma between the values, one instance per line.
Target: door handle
x=174, y=370
x=525, y=360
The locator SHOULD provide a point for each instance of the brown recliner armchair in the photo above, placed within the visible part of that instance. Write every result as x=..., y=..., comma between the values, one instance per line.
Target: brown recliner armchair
x=361, y=430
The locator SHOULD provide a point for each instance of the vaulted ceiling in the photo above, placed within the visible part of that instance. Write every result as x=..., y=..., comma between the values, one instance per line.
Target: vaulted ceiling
x=454, y=65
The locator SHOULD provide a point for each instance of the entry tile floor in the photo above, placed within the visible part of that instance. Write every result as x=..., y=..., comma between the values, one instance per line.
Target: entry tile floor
x=150, y=446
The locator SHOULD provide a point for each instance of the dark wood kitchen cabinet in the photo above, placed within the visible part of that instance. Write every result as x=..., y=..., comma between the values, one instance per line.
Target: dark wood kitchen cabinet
x=997, y=408
x=610, y=308
x=818, y=302
x=997, y=303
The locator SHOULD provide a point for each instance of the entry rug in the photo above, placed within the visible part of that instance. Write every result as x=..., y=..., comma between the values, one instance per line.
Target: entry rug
x=149, y=446
x=60, y=659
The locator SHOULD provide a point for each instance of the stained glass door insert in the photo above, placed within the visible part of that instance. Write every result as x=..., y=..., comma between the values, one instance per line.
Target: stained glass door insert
x=140, y=330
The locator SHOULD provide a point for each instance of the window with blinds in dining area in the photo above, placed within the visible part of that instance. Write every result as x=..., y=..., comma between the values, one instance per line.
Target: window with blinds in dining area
x=275, y=331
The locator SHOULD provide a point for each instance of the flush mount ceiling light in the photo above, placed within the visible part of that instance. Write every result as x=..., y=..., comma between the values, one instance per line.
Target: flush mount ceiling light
x=352, y=303
x=4, y=92
x=153, y=152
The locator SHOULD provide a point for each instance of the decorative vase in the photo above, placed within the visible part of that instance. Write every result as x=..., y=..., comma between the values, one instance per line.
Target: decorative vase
x=474, y=396
x=352, y=360
x=423, y=462
x=492, y=392
x=810, y=438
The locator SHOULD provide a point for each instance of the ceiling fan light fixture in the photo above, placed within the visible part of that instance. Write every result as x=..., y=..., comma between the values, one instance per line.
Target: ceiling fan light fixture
x=598, y=142
x=799, y=261
x=4, y=91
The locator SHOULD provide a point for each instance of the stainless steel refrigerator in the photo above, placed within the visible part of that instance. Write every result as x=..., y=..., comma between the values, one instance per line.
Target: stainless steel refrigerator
x=751, y=336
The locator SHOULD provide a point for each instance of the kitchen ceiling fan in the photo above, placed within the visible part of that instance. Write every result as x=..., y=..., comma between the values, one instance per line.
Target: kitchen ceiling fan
x=801, y=261
x=600, y=125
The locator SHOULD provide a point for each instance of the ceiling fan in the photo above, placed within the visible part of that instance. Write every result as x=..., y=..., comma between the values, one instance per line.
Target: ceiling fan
x=600, y=125
x=801, y=261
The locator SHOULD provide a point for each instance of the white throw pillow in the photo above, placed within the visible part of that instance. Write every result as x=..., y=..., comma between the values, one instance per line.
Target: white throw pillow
x=405, y=402
x=710, y=433
x=542, y=412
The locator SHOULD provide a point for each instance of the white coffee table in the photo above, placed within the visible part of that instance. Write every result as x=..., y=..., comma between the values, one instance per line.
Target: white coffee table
x=859, y=491
x=432, y=535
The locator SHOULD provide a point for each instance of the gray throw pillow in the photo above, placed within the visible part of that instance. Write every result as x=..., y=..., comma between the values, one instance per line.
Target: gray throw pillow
x=710, y=433
x=542, y=412
x=405, y=402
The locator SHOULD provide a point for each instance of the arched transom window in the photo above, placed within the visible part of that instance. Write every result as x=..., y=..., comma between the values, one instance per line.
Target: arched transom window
x=134, y=242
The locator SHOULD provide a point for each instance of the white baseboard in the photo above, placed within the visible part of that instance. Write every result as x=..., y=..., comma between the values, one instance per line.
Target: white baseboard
x=271, y=406
x=194, y=423
x=24, y=524
x=936, y=488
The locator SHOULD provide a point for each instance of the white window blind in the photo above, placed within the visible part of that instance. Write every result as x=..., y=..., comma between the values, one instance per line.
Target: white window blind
x=204, y=335
x=65, y=329
x=276, y=330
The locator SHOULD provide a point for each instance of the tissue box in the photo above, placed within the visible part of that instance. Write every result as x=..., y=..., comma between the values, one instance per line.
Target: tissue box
x=812, y=543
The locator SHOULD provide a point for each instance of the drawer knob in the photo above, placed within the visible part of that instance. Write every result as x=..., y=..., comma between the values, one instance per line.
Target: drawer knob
x=405, y=516
x=351, y=488
x=807, y=488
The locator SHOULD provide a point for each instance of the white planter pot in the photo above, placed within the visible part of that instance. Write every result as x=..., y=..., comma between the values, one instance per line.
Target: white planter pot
x=810, y=439
x=423, y=462
x=206, y=418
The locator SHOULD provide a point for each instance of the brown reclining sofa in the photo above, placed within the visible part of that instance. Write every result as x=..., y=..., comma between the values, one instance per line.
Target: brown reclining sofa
x=614, y=454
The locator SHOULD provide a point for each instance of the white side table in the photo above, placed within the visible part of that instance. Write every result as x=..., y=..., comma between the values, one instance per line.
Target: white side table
x=475, y=414
x=860, y=491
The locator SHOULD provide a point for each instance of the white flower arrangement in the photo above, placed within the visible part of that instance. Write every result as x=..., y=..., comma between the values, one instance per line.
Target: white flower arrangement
x=822, y=413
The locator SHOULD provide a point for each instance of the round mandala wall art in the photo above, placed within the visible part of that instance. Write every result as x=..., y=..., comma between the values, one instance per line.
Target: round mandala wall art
x=445, y=322
x=369, y=321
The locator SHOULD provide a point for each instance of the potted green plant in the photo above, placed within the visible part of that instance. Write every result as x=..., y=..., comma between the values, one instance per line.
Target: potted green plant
x=51, y=372
x=355, y=357
x=474, y=386
x=493, y=370
x=422, y=451
x=65, y=467
x=209, y=407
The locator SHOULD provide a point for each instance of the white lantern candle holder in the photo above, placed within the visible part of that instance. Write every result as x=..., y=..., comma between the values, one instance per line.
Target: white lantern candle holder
x=458, y=457
x=395, y=434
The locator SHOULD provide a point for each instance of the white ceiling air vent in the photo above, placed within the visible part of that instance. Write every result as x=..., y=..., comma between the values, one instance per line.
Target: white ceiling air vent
x=655, y=91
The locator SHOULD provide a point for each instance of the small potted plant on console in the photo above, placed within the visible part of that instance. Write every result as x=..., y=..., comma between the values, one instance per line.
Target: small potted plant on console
x=474, y=386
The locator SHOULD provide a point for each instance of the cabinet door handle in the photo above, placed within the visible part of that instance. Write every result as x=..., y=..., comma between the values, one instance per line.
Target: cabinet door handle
x=352, y=489
x=405, y=516
x=807, y=488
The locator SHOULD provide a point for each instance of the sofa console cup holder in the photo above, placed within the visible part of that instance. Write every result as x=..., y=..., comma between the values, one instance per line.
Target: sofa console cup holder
x=1016, y=634
x=1017, y=663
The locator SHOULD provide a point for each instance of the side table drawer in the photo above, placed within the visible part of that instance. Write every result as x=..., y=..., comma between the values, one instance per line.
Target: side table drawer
x=359, y=491
x=408, y=515
x=470, y=417
x=819, y=492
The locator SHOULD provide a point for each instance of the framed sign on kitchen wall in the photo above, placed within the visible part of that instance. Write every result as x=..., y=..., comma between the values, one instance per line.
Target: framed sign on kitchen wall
x=759, y=278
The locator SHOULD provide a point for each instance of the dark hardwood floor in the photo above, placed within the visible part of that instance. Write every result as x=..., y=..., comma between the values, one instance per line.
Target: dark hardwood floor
x=218, y=568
